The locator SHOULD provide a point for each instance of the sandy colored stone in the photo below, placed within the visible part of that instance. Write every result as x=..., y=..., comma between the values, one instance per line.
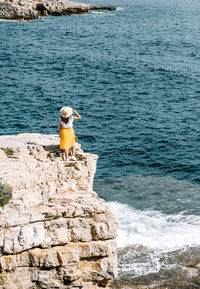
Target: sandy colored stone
x=55, y=230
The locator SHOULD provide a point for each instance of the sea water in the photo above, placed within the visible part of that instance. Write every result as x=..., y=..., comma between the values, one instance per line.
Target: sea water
x=134, y=76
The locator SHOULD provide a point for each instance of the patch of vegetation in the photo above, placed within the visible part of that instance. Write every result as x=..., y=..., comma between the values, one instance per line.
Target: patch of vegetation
x=8, y=151
x=30, y=150
x=76, y=138
x=37, y=159
x=50, y=199
x=72, y=165
x=50, y=156
x=56, y=217
x=5, y=194
x=80, y=201
x=80, y=157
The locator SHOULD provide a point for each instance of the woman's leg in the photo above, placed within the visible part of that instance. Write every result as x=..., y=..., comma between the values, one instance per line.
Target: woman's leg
x=66, y=153
x=73, y=154
x=73, y=151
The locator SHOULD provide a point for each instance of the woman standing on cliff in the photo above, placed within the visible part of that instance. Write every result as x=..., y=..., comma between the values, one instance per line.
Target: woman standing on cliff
x=67, y=136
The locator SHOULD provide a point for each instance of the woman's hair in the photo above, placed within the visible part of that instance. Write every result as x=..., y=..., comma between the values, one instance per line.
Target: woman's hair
x=65, y=119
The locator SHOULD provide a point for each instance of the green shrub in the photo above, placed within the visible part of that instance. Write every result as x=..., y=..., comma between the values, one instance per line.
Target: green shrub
x=72, y=165
x=5, y=194
x=8, y=151
x=80, y=157
x=56, y=217
x=49, y=155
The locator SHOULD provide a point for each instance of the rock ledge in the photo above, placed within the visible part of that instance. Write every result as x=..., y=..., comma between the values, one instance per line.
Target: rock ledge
x=55, y=232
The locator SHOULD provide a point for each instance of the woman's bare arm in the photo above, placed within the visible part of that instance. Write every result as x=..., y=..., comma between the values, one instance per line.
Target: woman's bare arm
x=60, y=127
x=78, y=115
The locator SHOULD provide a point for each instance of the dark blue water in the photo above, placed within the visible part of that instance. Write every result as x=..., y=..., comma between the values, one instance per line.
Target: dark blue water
x=134, y=76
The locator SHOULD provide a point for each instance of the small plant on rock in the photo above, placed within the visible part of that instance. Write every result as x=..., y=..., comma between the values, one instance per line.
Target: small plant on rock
x=72, y=165
x=56, y=217
x=80, y=157
x=5, y=194
x=8, y=151
x=49, y=155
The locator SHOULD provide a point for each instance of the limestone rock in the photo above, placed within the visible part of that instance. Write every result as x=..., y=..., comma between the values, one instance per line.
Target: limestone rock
x=55, y=232
x=12, y=12
x=31, y=9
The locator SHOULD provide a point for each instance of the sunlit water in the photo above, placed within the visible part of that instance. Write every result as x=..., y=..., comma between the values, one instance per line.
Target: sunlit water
x=133, y=74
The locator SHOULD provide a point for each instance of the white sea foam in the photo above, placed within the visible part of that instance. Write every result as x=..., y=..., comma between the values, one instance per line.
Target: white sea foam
x=120, y=8
x=6, y=20
x=155, y=230
x=98, y=12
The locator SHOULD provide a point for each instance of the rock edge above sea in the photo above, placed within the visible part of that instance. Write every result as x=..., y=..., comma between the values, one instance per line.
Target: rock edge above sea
x=32, y=9
x=55, y=232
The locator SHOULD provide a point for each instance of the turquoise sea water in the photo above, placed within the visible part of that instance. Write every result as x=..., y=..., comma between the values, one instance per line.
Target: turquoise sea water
x=134, y=76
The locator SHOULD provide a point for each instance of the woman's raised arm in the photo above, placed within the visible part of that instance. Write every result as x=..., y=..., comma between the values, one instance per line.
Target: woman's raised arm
x=78, y=115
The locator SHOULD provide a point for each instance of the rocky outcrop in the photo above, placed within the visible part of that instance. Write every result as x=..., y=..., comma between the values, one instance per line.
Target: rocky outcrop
x=55, y=231
x=31, y=9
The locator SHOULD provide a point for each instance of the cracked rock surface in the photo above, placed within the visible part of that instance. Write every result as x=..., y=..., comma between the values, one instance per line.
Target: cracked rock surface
x=55, y=232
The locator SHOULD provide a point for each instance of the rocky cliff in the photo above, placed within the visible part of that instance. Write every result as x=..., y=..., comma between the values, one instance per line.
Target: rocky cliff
x=31, y=9
x=55, y=231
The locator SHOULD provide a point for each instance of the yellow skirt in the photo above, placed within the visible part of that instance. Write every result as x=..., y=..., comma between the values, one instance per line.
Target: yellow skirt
x=67, y=138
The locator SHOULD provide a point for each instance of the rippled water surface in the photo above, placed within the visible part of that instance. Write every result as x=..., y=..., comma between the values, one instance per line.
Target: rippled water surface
x=134, y=76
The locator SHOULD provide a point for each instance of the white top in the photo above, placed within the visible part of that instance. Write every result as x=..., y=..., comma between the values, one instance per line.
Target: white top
x=69, y=124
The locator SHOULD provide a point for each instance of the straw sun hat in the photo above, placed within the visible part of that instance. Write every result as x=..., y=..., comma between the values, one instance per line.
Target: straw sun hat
x=66, y=111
